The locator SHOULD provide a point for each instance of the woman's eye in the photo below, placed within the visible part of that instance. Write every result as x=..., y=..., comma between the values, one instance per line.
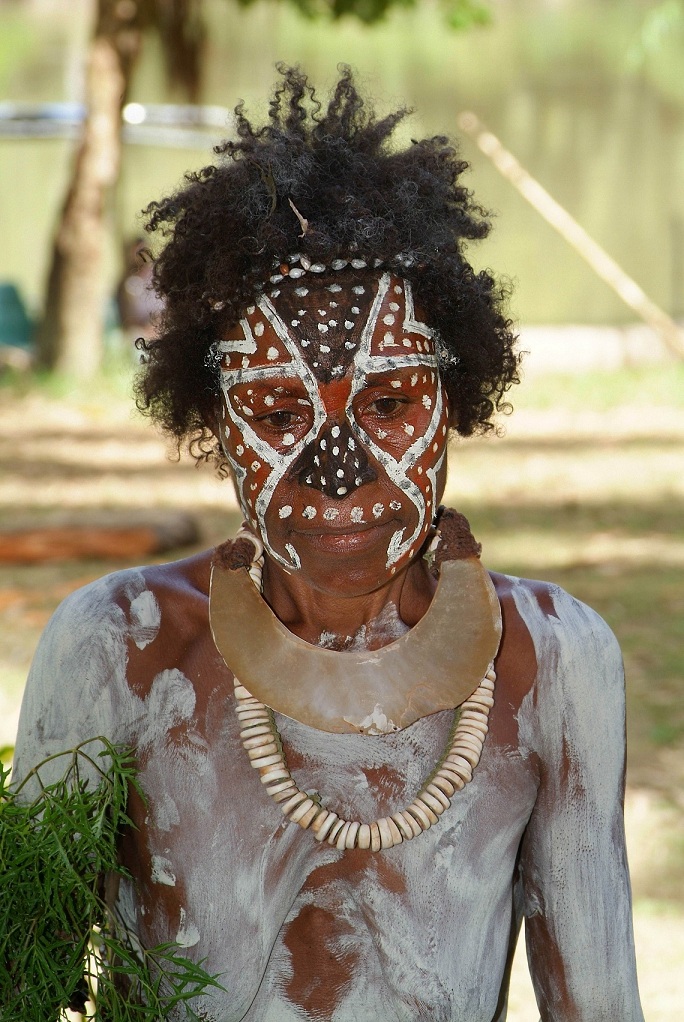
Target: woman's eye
x=279, y=420
x=385, y=406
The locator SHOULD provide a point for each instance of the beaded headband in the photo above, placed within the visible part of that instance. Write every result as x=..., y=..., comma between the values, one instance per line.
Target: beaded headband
x=298, y=264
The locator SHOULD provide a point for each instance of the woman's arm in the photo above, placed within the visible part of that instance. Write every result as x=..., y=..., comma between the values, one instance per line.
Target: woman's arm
x=77, y=687
x=577, y=898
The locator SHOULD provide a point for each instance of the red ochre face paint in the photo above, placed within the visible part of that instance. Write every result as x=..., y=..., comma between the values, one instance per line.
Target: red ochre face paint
x=334, y=416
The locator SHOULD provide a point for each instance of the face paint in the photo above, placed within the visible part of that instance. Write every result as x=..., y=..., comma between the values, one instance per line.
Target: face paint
x=346, y=403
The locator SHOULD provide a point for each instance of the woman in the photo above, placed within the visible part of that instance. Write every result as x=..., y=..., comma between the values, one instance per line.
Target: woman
x=322, y=829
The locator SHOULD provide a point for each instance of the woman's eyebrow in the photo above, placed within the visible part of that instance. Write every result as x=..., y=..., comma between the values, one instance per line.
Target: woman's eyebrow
x=259, y=388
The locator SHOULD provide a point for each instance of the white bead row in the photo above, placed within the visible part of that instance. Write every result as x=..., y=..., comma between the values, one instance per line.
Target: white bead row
x=262, y=743
x=261, y=740
x=285, y=268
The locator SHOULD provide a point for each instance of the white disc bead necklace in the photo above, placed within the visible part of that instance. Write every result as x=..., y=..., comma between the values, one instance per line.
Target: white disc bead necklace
x=261, y=740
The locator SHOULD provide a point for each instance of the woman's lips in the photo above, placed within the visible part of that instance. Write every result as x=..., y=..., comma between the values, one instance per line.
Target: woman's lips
x=350, y=537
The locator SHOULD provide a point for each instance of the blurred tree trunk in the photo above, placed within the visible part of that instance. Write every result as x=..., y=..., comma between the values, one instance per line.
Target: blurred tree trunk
x=70, y=338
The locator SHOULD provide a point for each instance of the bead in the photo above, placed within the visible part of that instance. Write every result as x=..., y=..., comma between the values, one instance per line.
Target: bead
x=386, y=839
x=420, y=803
x=376, y=842
x=451, y=776
x=324, y=829
x=352, y=834
x=359, y=264
x=397, y=838
x=457, y=760
x=308, y=817
x=255, y=729
x=287, y=807
x=420, y=816
x=278, y=786
x=436, y=793
x=432, y=802
x=250, y=714
x=474, y=723
x=338, y=264
x=258, y=741
x=296, y=271
x=301, y=810
x=415, y=827
x=476, y=700
x=271, y=760
x=468, y=741
x=304, y=260
x=336, y=828
x=317, y=268
x=474, y=713
x=320, y=820
x=268, y=774
x=364, y=838
x=459, y=765
x=443, y=784
x=491, y=674
x=262, y=750
x=285, y=793
x=241, y=692
x=403, y=826
x=341, y=842
x=465, y=751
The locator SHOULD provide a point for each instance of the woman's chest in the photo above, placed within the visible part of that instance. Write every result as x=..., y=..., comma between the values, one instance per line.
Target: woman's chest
x=283, y=917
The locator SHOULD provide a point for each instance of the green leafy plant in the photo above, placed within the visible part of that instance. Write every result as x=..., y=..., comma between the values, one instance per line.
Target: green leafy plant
x=59, y=944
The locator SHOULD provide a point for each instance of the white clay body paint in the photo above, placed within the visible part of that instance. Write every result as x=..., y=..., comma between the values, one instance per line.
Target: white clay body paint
x=162, y=871
x=188, y=935
x=420, y=931
x=278, y=462
x=397, y=468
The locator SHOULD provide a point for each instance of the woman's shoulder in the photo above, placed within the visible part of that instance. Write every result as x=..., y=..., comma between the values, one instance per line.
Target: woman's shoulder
x=132, y=599
x=553, y=618
x=80, y=679
x=575, y=685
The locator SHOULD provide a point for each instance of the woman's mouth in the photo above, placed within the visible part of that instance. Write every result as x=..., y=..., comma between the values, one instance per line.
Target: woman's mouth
x=350, y=536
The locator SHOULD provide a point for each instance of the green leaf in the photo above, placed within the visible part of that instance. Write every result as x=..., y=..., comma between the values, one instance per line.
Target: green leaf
x=54, y=926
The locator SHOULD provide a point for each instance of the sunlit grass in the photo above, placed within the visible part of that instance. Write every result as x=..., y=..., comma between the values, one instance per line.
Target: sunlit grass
x=639, y=387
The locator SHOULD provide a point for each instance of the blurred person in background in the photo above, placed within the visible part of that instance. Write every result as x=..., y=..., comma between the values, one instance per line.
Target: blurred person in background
x=138, y=304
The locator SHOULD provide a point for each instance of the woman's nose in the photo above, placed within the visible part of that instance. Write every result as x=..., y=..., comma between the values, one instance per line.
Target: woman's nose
x=334, y=463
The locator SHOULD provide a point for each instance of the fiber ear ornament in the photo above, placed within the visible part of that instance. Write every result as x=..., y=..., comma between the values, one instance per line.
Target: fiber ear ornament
x=261, y=740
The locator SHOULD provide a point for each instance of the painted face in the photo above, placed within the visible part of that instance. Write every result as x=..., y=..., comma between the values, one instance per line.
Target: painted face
x=335, y=421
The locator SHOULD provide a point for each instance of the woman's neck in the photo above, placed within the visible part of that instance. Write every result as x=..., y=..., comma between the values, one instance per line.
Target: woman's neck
x=361, y=620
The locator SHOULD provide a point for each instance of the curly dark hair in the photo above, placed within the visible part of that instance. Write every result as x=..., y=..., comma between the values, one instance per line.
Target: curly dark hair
x=361, y=197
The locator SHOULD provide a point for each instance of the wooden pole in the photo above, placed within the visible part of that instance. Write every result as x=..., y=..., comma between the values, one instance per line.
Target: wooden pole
x=559, y=218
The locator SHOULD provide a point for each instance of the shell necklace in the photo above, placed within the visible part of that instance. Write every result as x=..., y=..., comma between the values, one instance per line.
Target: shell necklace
x=261, y=740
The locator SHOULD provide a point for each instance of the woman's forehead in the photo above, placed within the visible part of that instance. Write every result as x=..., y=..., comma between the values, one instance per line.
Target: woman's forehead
x=328, y=323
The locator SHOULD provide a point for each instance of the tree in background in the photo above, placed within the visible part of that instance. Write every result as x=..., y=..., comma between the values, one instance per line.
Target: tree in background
x=71, y=333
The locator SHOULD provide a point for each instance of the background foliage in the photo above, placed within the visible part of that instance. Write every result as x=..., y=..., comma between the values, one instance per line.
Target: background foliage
x=58, y=940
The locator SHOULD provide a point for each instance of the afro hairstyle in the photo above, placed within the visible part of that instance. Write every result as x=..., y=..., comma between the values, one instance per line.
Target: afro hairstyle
x=362, y=197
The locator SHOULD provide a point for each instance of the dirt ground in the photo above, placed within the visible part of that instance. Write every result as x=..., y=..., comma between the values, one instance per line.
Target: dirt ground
x=592, y=498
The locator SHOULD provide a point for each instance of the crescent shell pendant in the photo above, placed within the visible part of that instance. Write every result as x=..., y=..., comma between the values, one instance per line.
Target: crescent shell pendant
x=435, y=666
